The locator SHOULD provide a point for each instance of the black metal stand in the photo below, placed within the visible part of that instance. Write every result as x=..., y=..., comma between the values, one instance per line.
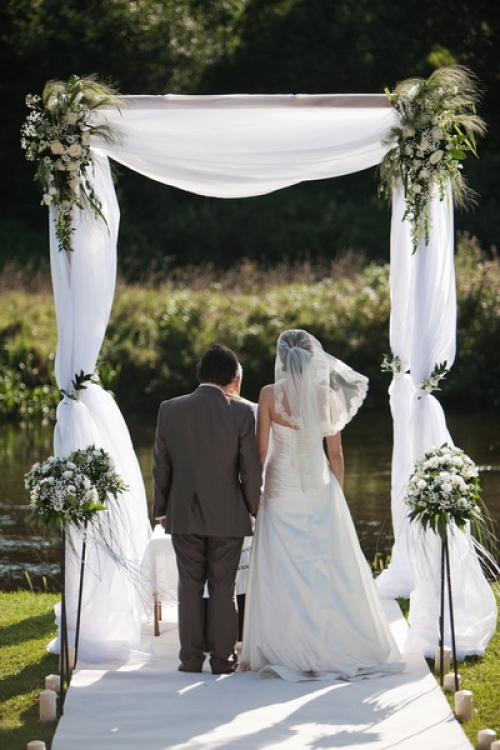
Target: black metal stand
x=65, y=668
x=80, y=593
x=446, y=582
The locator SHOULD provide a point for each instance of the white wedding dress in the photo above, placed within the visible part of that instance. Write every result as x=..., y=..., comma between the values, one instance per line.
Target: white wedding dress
x=312, y=609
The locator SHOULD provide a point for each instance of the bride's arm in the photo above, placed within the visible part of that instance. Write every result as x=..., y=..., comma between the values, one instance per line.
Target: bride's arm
x=266, y=401
x=336, y=456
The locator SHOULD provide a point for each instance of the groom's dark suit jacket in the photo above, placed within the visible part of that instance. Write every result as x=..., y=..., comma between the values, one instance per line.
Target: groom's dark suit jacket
x=207, y=471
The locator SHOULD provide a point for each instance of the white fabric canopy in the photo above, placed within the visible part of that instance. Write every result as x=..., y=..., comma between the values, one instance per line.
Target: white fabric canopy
x=234, y=147
x=241, y=146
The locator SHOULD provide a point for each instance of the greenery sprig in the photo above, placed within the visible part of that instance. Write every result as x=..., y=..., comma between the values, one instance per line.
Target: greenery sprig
x=437, y=128
x=432, y=383
x=393, y=364
x=78, y=384
x=57, y=134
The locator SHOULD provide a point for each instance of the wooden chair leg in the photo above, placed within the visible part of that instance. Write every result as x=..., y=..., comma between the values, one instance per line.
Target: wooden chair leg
x=157, y=614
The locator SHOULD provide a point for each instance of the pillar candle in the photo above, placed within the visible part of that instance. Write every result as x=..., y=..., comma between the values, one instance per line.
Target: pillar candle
x=449, y=681
x=53, y=682
x=495, y=745
x=35, y=745
x=47, y=705
x=485, y=738
x=463, y=705
x=71, y=658
x=446, y=660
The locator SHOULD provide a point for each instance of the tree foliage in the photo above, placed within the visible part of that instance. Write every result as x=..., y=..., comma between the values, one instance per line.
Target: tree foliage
x=249, y=46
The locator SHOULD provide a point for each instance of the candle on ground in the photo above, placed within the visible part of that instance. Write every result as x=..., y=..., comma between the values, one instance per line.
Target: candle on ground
x=53, y=682
x=35, y=745
x=71, y=658
x=463, y=705
x=446, y=660
x=449, y=681
x=47, y=705
x=485, y=737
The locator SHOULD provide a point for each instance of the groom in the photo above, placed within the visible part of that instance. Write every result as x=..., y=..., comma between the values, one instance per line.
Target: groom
x=207, y=478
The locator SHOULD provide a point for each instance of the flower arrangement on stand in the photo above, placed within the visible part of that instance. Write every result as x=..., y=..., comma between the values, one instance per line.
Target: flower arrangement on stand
x=71, y=491
x=437, y=128
x=57, y=134
x=444, y=491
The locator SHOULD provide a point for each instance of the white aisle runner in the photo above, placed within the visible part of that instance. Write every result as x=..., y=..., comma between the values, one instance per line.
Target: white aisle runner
x=151, y=706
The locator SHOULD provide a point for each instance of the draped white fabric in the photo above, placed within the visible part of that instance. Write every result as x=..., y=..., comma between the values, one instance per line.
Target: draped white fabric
x=84, y=283
x=240, y=146
x=234, y=147
x=423, y=334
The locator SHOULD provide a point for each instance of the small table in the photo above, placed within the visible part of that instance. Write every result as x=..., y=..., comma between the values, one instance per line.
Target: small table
x=159, y=569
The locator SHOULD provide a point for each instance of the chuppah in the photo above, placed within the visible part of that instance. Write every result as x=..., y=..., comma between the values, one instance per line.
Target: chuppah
x=239, y=146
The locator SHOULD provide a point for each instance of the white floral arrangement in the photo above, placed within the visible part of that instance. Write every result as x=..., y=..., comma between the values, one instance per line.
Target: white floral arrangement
x=437, y=128
x=444, y=489
x=72, y=489
x=57, y=134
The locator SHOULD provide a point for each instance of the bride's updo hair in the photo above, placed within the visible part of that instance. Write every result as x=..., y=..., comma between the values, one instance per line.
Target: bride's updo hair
x=294, y=339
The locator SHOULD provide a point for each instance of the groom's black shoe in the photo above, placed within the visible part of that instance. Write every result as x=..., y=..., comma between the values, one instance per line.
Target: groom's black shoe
x=224, y=666
x=183, y=668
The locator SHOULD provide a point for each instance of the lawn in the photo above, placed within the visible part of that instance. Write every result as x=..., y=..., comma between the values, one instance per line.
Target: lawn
x=27, y=625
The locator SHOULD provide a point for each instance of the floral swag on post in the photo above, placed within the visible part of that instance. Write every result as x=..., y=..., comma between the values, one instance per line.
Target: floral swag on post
x=57, y=134
x=438, y=127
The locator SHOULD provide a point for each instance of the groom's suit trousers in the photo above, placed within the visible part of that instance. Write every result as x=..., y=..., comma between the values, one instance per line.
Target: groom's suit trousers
x=213, y=559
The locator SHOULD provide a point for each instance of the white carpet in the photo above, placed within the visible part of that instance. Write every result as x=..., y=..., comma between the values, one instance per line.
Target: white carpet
x=151, y=706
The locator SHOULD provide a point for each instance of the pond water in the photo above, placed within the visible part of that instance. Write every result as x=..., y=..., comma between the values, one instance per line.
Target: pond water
x=26, y=553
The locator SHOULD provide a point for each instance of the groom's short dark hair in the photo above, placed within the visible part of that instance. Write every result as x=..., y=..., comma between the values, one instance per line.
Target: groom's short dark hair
x=218, y=365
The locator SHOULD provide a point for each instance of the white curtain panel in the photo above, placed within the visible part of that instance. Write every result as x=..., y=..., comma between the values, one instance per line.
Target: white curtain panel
x=398, y=579
x=433, y=342
x=84, y=284
x=233, y=147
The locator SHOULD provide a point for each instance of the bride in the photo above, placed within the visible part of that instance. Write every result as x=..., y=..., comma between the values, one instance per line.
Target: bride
x=312, y=608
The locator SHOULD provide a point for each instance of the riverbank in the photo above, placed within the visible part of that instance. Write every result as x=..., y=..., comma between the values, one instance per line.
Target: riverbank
x=159, y=328
x=27, y=625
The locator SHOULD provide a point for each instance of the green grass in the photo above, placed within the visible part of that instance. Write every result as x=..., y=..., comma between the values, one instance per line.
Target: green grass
x=27, y=625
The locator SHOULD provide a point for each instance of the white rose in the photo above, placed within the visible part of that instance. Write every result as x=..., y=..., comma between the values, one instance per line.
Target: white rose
x=437, y=133
x=57, y=148
x=75, y=150
x=424, y=145
x=70, y=118
x=416, y=188
x=421, y=484
x=408, y=151
x=436, y=156
x=424, y=174
x=408, y=131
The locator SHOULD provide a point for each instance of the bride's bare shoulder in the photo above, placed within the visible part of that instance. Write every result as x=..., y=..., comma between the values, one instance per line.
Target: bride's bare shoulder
x=267, y=393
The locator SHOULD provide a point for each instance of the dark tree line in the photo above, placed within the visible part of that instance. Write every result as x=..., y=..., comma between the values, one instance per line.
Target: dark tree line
x=244, y=46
